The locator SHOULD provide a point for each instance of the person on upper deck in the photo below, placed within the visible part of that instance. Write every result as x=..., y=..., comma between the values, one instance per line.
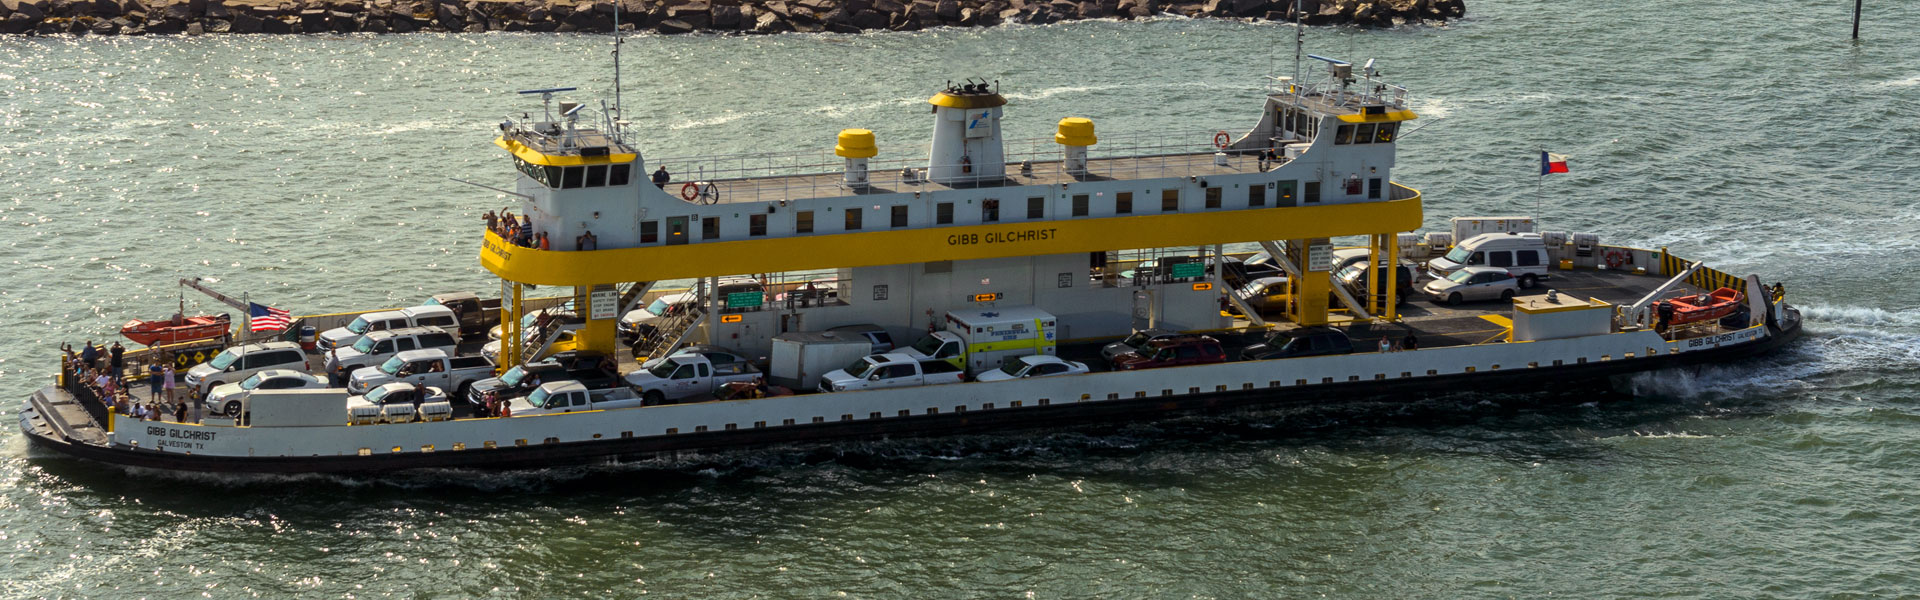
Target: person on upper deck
x=660, y=177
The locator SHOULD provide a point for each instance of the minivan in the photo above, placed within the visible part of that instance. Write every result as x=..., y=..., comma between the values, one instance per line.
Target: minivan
x=1522, y=254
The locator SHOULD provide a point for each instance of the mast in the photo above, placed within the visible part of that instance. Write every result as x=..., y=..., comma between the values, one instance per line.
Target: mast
x=617, y=107
x=1299, y=39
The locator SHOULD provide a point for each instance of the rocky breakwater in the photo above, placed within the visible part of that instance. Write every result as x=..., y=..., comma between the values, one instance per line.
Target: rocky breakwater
x=194, y=17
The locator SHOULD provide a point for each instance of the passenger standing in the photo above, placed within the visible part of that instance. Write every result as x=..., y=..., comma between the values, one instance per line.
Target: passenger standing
x=180, y=412
x=166, y=381
x=153, y=381
x=1386, y=344
x=90, y=355
x=1410, y=342
x=660, y=177
x=118, y=353
x=543, y=241
x=492, y=220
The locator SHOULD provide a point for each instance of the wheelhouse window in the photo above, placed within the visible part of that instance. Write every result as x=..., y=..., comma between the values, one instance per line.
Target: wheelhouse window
x=619, y=175
x=597, y=176
x=1365, y=134
x=572, y=177
x=1385, y=133
x=1343, y=135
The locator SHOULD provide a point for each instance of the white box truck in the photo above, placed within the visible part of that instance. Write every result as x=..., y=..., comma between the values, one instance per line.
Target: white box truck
x=979, y=339
x=799, y=358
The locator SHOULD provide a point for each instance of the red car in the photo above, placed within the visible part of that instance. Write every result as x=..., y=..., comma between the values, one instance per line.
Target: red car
x=1176, y=351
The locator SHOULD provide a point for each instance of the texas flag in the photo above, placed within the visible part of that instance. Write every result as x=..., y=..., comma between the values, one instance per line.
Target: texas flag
x=1552, y=163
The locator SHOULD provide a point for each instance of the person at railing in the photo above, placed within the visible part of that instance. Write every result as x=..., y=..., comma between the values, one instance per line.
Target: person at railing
x=166, y=381
x=492, y=220
x=118, y=354
x=661, y=177
x=526, y=231
x=180, y=412
x=586, y=241
x=90, y=355
x=542, y=238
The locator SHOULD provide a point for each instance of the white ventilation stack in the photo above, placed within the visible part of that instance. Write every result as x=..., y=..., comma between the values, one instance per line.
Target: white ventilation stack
x=856, y=145
x=966, y=136
x=1074, y=135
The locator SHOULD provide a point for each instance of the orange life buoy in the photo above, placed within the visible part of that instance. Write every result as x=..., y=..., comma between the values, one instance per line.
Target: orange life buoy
x=1220, y=140
x=1616, y=259
x=689, y=191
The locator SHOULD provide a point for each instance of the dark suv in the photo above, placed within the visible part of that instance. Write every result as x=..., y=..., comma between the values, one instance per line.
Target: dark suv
x=1295, y=343
x=591, y=369
x=1176, y=351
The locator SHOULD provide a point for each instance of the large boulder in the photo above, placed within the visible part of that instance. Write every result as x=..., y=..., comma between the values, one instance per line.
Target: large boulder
x=726, y=17
x=947, y=10
x=770, y=22
x=451, y=16
x=195, y=28
x=178, y=12
x=247, y=23
x=674, y=27
x=31, y=11
x=281, y=25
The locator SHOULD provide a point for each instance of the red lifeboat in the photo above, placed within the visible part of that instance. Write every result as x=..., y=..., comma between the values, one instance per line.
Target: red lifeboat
x=178, y=329
x=1702, y=307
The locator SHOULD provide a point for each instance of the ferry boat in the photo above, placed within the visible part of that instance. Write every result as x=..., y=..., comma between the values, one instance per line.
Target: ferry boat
x=807, y=275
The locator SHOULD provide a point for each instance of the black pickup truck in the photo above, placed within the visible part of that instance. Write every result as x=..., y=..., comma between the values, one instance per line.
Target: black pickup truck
x=592, y=369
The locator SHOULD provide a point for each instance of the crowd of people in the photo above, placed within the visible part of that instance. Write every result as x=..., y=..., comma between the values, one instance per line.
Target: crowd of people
x=519, y=232
x=109, y=383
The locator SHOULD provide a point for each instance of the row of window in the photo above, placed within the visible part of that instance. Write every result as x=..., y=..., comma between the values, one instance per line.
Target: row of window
x=1366, y=133
x=568, y=178
x=1298, y=122
x=855, y=219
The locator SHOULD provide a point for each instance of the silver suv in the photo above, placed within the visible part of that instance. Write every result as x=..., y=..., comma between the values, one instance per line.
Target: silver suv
x=239, y=362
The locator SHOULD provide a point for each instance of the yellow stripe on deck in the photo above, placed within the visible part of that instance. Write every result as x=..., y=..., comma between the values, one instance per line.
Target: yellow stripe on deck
x=1506, y=327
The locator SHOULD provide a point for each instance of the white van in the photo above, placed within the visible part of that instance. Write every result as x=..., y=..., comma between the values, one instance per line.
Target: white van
x=429, y=315
x=1522, y=254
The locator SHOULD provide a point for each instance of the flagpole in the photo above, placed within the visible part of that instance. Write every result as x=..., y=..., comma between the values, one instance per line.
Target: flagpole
x=1538, y=183
x=247, y=323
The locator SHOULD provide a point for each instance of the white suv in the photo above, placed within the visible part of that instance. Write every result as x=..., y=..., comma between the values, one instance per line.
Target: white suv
x=239, y=362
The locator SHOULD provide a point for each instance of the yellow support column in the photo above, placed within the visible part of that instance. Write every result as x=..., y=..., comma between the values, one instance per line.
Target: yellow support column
x=602, y=311
x=1374, y=249
x=510, y=311
x=1308, y=304
x=1392, y=281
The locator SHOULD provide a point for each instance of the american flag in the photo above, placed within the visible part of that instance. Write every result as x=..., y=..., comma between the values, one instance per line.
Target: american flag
x=267, y=318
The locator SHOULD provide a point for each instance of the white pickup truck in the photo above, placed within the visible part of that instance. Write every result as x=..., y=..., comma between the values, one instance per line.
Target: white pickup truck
x=571, y=396
x=425, y=367
x=687, y=375
x=894, y=369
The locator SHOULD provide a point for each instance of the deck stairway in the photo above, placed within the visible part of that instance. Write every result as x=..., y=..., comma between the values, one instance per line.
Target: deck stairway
x=670, y=332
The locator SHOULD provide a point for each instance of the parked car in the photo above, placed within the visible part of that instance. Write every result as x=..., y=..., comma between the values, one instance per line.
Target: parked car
x=240, y=362
x=376, y=347
x=426, y=367
x=1266, y=294
x=1134, y=342
x=428, y=315
x=874, y=334
x=1294, y=343
x=1524, y=255
x=1472, y=283
x=1177, y=351
x=1038, y=365
x=570, y=396
x=890, y=371
x=687, y=375
x=1355, y=276
x=592, y=369
x=227, y=398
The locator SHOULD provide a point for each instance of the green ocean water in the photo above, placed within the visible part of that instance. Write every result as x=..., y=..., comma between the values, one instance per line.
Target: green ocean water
x=313, y=172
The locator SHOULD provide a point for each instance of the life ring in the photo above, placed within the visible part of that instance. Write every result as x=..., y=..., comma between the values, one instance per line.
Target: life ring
x=689, y=191
x=1616, y=259
x=1221, y=140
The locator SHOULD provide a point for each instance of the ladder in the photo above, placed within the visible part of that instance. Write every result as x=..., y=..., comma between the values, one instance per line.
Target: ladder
x=670, y=333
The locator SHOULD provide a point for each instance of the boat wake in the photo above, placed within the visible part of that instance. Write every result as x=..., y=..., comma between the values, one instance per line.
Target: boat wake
x=1840, y=341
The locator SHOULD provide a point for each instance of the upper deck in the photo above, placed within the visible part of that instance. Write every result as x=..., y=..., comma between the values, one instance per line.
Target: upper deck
x=1031, y=162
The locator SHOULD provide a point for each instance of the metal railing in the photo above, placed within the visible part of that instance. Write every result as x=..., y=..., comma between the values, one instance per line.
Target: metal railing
x=817, y=174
